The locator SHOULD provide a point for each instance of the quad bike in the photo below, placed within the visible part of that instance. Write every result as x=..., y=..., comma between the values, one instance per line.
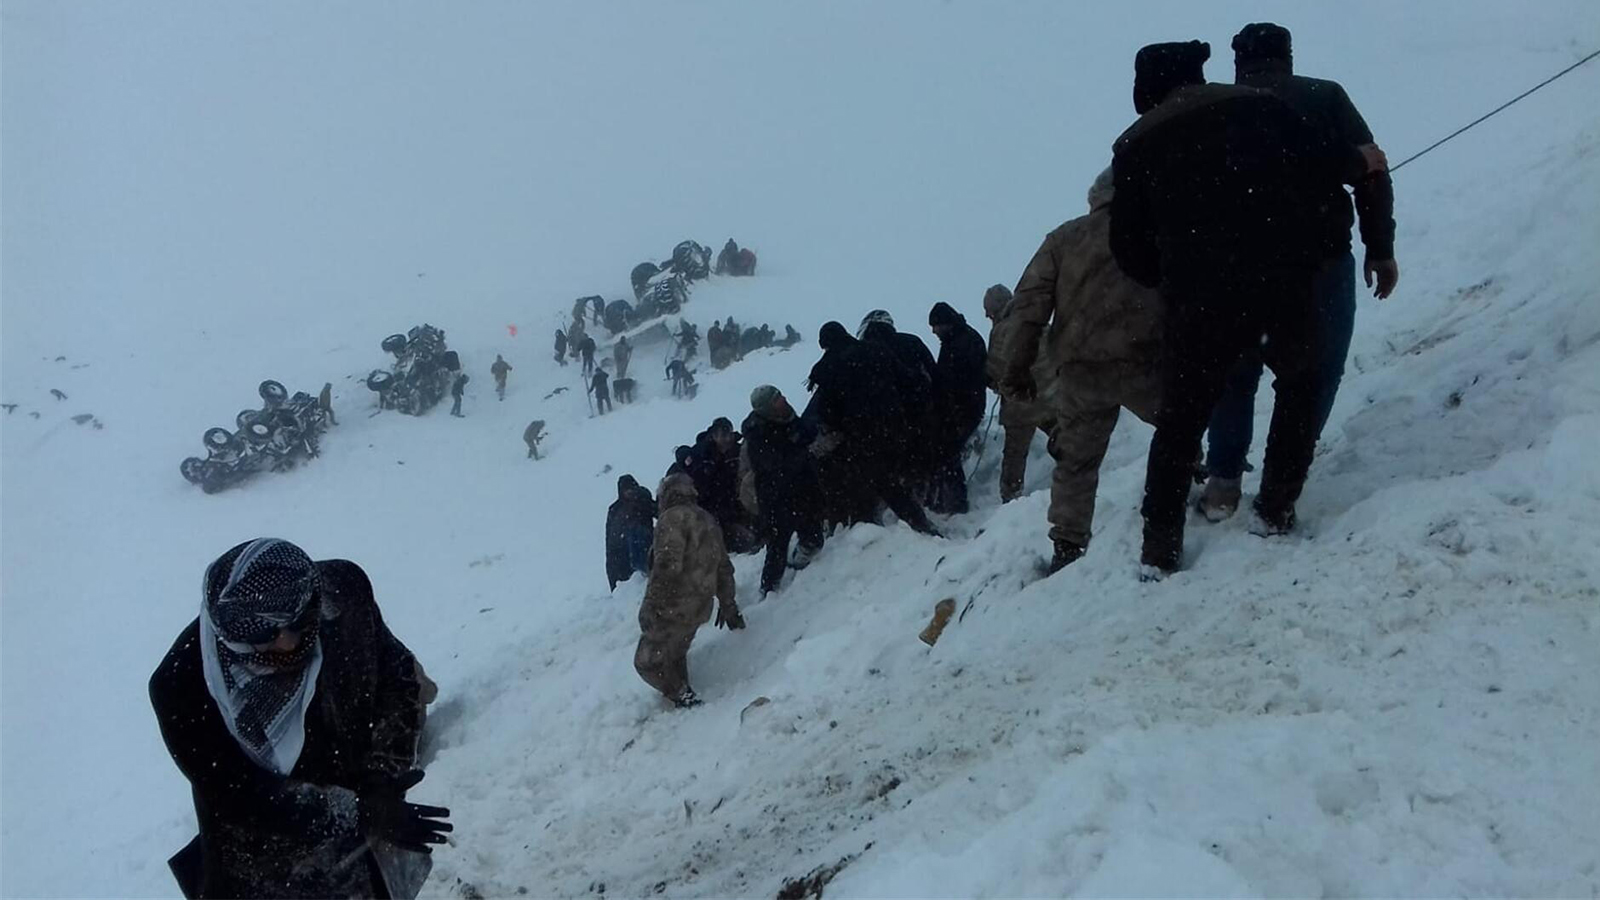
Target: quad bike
x=283, y=432
x=422, y=372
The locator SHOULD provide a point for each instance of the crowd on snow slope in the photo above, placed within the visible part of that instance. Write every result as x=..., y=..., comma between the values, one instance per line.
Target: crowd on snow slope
x=1218, y=241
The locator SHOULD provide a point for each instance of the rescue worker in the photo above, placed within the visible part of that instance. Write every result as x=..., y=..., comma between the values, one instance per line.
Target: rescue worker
x=602, y=393
x=1218, y=201
x=499, y=370
x=1105, y=343
x=457, y=389
x=630, y=521
x=531, y=436
x=963, y=395
x=325, y=402
x=1263, y=59
x=1019, y=418
x=561, y=346
x=689, y=567
x=622, y=354
x=788, y=497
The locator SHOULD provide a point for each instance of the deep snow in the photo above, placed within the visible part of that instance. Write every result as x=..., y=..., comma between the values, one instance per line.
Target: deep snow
x=1401, y=701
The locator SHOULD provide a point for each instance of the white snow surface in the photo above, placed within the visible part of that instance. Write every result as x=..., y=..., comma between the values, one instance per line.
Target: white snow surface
x=1401, y=700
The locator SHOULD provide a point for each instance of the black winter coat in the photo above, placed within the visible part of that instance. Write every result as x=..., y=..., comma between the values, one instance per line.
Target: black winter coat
x=964, y=386
x=716, y=477
x=787, y=491
x=856, y=392
x=1326, y=105
x=1220, y=181
x=263, y=835
x=625, y=515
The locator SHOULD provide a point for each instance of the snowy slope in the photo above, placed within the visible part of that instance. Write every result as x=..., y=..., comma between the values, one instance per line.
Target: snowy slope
x=1400, y=702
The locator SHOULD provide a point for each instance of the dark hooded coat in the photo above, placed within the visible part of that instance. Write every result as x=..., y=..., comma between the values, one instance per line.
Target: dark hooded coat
x=264, y=835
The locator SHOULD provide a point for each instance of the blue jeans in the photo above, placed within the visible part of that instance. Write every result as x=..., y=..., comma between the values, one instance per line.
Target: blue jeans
x=1233, y=419
x=638, y=544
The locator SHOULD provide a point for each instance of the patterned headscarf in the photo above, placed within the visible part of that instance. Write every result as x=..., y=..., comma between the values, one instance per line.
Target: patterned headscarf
x=251, y=593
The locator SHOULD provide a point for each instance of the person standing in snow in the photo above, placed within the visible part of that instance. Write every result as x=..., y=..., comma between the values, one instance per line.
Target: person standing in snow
x=857, y=404
x=457, y=389
x=1263, y=59
x=728, y=259
x=963, y=396
x=1217, y=202
x=1018, y=417
x=716, y=480
x=598, y=317
x=690, y=566
x=499, y=370
x=325, y=402
x=788, y=497
x=1105, y=343
x=630, y=521
x=602, y=393
x=295, y=714
x=622, y=353
x=586, y=350
x=531, y=436
x=561, y=346
x=918, y=388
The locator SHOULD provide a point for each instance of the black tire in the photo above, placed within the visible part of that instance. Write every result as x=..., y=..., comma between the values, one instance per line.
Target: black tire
x=273, y=391
x=259, y=432
x=193, y=469
x=218, y=438
x=451, y=361
x=394, y=343
x=380, y=380
x=245, y=417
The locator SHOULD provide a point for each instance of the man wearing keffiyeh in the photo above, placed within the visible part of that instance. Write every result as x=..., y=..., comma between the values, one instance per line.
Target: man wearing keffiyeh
x=295, y=714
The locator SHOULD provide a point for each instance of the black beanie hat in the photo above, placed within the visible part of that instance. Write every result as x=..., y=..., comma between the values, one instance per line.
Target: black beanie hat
x=944, y=314
x=1262, y=41
x=832, y=335
x=1160, y=68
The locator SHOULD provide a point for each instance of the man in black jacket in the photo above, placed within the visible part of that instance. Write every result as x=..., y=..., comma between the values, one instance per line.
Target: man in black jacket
x=1263, y=59
x=1215, y=203
x=963, y=396
x=630, y=522
x=295, y=715
x=715, y=471
x=918, y=387
x=787, y=494
x=856, y=401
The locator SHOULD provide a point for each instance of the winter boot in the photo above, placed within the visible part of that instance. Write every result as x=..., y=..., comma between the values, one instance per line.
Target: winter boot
x=1066, y=554
x=1220, y=499
x=1271, y=522
x=1163, y=551
x=802, y=556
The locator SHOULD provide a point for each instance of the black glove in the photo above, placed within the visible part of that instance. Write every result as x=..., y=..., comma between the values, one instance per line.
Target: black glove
x=385, y=814
x=728, y=617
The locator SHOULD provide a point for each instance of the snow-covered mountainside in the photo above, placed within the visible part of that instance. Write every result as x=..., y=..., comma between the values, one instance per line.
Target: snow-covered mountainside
x=1401, y=700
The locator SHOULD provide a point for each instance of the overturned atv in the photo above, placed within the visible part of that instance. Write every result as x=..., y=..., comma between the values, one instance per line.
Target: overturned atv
x=276, y=437
x=422, y=372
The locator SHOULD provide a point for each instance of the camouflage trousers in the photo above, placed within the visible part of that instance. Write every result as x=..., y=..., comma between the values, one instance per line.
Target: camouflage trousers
x=662, y=658
x=1085, y=416
x=1020, y=420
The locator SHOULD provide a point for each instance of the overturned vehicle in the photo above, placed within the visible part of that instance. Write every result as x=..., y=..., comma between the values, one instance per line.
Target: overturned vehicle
x=422, y=372
x=276, y=437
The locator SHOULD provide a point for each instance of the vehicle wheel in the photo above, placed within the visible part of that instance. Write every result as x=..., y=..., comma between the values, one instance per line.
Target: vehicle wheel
x=380, y=380
x=259, y=432
x=451, y=361
x=193, y=469
x=218, y=438
x=273, y=392
x=245, y=417
x=394, y=343
x=212, y=485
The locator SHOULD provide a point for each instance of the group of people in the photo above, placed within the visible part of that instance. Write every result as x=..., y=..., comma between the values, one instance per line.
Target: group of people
x=1218, y=242
x=727, y=342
